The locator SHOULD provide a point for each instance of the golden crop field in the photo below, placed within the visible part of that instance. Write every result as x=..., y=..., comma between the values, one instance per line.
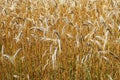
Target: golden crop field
x=59, y=39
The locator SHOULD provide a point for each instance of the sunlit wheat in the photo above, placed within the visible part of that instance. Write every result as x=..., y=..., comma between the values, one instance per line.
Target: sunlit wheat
x=60, y=39
x=17, y=38
x=106, y=39
x=12, y=58
x=45, y=65
x=54, y=57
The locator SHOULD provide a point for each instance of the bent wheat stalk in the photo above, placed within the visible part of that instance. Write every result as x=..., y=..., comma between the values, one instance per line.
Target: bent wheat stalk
x=12, y=58
x=17, y=38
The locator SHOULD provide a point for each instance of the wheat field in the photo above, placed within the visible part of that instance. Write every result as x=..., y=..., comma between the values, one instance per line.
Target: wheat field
x=59, y=39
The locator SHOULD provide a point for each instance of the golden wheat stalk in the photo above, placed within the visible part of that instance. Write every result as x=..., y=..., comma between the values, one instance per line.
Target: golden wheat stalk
x=12, y=58
x=54, y=58
x=106, y=39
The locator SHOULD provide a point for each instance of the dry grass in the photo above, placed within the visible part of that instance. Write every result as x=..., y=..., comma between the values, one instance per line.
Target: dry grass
x=59, y=39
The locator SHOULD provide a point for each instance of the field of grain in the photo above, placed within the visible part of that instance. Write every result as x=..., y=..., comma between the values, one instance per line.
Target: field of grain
x=59, y=39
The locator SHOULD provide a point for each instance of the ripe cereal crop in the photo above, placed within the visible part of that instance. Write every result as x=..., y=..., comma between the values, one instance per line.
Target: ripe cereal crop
x=59, y=39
